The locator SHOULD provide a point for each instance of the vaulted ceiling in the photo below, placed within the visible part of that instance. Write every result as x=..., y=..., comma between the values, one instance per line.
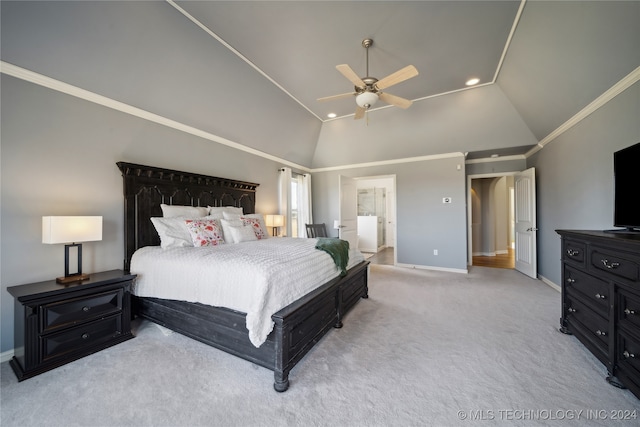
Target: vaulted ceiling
x=238, y=63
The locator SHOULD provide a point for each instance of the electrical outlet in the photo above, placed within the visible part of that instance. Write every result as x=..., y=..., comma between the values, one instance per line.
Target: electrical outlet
x=446, y=200
x=435, y=252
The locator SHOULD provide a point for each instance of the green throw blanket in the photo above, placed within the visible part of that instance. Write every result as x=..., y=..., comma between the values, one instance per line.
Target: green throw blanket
x=338, y=249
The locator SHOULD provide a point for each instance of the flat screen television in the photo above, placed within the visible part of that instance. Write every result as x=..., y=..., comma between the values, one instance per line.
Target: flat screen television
x=626, y=169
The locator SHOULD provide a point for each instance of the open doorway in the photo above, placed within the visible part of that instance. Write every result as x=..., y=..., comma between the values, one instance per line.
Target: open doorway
x=377, y=218
x=492, y=220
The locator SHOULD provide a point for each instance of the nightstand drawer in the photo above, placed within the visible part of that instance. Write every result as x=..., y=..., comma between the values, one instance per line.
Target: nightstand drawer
x=81, y=337
x=78, y=310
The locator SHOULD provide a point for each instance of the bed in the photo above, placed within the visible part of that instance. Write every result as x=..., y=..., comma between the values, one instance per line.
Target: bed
x=296, y=328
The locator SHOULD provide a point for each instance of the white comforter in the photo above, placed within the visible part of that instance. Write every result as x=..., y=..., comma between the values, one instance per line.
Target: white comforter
x=258, y=278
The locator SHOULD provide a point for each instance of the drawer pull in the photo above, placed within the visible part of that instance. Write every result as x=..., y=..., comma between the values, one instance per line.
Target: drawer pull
x=610, y=265
x=601, y=296
x=571, y=310
x=573, y=252
x=627, y=355
x=627, y=311
x=85, y=336
x=601, y=333
x=570, y=280
x=85, y=308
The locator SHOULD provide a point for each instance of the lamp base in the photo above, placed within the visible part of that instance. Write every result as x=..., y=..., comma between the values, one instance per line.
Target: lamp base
x=73, y=278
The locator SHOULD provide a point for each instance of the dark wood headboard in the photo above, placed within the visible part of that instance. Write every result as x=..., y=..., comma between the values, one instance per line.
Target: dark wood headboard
x=146, y=187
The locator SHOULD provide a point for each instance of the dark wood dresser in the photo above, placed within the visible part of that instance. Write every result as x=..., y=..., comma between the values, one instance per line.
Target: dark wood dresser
x=601, y=299
x=55, y=324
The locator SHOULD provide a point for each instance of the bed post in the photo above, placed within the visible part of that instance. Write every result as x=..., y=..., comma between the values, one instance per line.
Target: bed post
x=281, y=369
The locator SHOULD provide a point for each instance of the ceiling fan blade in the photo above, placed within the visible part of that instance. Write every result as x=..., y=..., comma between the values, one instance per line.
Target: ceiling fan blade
x=397, y=77
x=395, y=100
x=351, y=75
x=359, y=113
x=342, y=95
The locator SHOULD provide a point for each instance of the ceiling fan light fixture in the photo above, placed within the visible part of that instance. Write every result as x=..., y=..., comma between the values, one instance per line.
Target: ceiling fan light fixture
x=366, y=99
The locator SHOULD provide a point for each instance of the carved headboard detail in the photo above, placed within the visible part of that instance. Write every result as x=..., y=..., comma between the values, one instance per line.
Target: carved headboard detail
x=146, y=187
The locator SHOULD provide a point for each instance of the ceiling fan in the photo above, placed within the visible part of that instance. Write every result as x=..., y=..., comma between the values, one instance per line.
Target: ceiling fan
x=369, y=89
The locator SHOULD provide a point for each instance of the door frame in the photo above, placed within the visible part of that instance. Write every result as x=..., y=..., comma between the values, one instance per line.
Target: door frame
x=393, y=207
x=469, y=207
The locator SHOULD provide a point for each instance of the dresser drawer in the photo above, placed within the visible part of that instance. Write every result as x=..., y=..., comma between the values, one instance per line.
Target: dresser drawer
x=615, y=264
x=589, y=288
x=628, y=310
x=629, y=355
x=82, y=309
x=588, y=322
x=573, y=251
x=80, y=338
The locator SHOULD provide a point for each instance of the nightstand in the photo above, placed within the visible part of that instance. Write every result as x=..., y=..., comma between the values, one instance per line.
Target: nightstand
x=55, y=324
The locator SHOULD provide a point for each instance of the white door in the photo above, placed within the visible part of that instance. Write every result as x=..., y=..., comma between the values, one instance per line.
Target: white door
x=525, y=223
x=349, y=211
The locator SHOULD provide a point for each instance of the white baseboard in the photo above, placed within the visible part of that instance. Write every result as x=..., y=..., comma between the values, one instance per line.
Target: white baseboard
x=6, y=356
x=427, y=267
x=501, y=252
x=483, y=254
x=549, y=283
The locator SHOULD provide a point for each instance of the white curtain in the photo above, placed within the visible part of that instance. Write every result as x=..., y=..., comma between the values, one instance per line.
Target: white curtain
x=304, y=204
x=284, y=183
x=302, y=199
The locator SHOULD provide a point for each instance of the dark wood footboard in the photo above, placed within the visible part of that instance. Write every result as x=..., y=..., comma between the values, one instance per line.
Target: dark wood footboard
x=298, y=327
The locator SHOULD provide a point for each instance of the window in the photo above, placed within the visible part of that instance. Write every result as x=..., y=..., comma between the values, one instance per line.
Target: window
x=295, y=202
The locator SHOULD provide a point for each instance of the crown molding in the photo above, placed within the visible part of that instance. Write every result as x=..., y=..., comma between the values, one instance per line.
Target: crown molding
x=508, y=43
x=615, y=90
x=48, y=82
x=496, y=159
x=388, y=162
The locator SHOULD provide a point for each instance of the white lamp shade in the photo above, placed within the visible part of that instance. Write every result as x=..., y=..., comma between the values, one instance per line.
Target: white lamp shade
x=274, y=220
x=336, y=224
x=366, y=99
x=71, y=229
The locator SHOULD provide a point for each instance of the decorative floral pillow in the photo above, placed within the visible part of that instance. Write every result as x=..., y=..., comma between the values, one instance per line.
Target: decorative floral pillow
x=256, y=226
x=205, y=232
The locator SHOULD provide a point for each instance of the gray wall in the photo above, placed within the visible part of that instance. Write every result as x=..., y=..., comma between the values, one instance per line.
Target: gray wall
x=575, y=175
x=180, y=72
x=424, y=223
x=58, y=158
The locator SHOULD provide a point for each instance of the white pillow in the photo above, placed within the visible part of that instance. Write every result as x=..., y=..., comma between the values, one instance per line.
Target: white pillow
x=169, y=211
x=173, y=232
x=255, y=220
x=221, y=209
x=235, y=231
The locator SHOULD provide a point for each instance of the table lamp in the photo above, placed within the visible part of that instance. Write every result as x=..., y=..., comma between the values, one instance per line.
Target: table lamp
x=70, y=230
x=274, y=221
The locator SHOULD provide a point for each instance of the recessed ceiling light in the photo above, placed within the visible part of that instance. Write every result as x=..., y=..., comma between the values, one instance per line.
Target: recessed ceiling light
x=331, y=115
x=493, y=156
x=473, y=81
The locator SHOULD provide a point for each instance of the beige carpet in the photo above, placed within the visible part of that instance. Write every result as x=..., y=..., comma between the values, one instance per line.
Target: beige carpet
x=426, y=349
